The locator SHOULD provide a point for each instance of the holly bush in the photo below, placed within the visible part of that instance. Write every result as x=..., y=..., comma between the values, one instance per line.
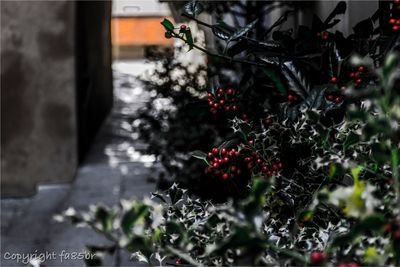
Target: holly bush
x=312, y=163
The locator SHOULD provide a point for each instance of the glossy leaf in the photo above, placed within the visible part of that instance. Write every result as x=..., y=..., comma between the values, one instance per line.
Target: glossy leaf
x=242, y=31
x=193, y=8
x=168, y=25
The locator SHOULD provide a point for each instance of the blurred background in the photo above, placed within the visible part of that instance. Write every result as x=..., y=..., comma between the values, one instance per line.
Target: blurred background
x=74, y=74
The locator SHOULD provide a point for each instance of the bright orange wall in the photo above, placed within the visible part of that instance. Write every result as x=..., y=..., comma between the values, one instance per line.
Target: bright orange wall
x=138, y=31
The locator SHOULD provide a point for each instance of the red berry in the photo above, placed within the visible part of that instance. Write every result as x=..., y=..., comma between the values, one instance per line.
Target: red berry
x=317, y=257
x=225, y=176
x=213, y=111
x=358, y=81
x=216, y=105
x=217, y=172
x=235, y=108
x=221, y=102
x=220, y=91
x=264, y=168
x=229, y=92
x=226, y=160
x=338, y=100
x=396, y=2
x=209, y=169
x=330, y=97
x=333, y=79
x=290, y=97
x=275, y=167
x=259, y=161
x=398, y=22
x=387, y=228
x=233, y=168
x=280, y=165
x=250, y=165
x=227, y=108
x=395, y=27
x=209, y=95
x=239, y=171
x=210, y=155
x=361, y=69
x=356, y=74
x=219, y=96
x=215, y=165
x=352, y=74
x=223, y=151
x=251, y=142
x=392, y=21
x=247, y=159
x=237, y=153
x=210, y=103
x=215, y=151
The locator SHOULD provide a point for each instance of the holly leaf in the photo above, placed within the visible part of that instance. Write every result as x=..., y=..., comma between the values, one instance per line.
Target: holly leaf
x=193, y=8
x=339, y=9
x=168, y=25
x=242, y=31
x=351, y=139
x=199, y=154
x=364, y=28
x=189, y=39
x=129, y=219
x=222, y=30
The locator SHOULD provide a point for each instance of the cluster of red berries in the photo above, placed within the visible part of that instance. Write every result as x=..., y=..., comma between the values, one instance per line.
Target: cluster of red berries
x=223, y=100
x=268, y=169
x=395, y=23
x=324, y=35
x=392, y=228
x=334, y=98
x=356, y=75
x=219, y=159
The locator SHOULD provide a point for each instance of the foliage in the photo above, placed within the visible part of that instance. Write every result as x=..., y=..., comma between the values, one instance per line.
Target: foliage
x=321, y=157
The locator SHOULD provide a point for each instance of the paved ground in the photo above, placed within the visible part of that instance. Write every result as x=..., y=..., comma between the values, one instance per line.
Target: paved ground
x=114, y=169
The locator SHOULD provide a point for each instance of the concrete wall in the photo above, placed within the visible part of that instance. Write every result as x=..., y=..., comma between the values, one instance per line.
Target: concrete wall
x=56, y=88
x=38, y=120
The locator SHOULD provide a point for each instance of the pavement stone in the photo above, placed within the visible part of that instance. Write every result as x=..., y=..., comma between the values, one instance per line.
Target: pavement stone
x=114, y=169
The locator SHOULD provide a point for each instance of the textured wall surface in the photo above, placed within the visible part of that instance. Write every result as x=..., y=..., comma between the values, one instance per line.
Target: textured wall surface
x=38, y=118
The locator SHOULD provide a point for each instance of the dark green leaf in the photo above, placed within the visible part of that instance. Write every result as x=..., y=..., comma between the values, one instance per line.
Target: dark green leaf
x=129, y=219
x=364, y=28
x=222, y=30
x=189, y=39
x=351, y=139
x=296, y=79
x=105, y=218
x=168, y=25
x=242, y=31
x=199, y=154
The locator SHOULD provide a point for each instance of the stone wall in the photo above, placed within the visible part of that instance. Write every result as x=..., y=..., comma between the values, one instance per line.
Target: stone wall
x=55, y=68
x=38, y=119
